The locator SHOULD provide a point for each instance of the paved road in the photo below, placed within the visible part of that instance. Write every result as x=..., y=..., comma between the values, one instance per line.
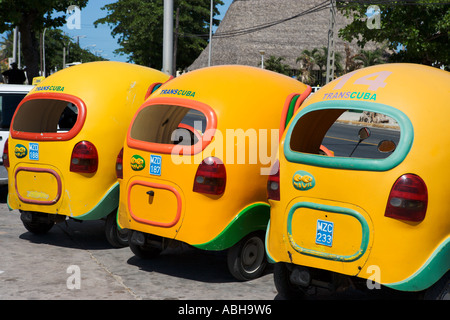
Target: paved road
x=342, y=138
x=44, y=267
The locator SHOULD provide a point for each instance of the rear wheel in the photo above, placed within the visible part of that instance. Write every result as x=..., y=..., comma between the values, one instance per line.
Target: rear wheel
x=281, y=276
x=247, y=259
x=116, y=237
x=137, y=242
x=36, y=222
x=440, y=290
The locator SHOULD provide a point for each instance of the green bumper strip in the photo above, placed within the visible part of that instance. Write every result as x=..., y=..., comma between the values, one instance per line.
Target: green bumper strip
x=433, y=269
x=290, y=111
x=109, y=202
x=270, y=259
x=253, y=218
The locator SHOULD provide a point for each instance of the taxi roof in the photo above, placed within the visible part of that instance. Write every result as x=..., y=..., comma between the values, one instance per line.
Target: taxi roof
x=238, y=94
x=105, y=76
x=405, y=86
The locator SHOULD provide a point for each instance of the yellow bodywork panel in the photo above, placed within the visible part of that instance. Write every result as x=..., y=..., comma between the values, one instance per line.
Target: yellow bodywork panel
x=233, y=114
x=348, y=196
x=91, y=102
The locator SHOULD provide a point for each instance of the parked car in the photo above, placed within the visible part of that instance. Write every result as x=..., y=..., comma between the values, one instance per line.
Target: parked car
x=376, y=214
x=10, y=97
x=65, y=137
x=193, y=163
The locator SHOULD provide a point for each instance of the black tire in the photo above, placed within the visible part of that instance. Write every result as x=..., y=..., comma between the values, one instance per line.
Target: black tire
x=143, y=251
x=36, y=227
x=440, y=290
x=116, y=237
x=285, y=288
x=247, y=259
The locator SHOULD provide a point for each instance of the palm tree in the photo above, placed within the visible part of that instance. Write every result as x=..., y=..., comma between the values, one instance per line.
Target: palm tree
x=307, y=63
x=317, y=57
x=6, y=50
x=276, y=64
x=321, y=57
x=370, y=58
x=350, y=60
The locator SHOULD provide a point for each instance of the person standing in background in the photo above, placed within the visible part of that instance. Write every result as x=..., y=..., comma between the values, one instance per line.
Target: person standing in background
x=14, y=75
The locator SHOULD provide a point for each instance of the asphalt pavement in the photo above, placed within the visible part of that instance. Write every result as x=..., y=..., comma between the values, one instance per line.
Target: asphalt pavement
x=75, y=261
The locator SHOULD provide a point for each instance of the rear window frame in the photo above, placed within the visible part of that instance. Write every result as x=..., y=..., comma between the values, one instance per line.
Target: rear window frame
x=163, y=148
x=51, y=136
x=400, y=153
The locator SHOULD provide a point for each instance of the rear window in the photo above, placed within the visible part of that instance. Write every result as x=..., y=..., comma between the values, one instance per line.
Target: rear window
x=358, y=138
x=168, y=125
x=353, y=134
x=8, y=105
x=160, y=127
x=43, y=119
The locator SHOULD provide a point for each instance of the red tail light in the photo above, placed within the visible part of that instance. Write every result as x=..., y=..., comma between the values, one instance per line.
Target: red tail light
x=408, y=199
x=211, y=177
x=5, y=155
x=119, y=165
x=273, y=182
x=84, y=158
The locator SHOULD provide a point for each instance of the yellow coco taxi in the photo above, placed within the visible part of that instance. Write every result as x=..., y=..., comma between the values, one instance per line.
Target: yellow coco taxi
x=376, y=213
x=64, y=140
x=196, y=160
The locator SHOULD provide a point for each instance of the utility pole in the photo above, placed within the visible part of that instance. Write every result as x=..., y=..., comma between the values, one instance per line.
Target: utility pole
x=16, y=30
x=175, y=41
x=168, y=37
x=331, y=47
x=210, y=32
x=43, y=54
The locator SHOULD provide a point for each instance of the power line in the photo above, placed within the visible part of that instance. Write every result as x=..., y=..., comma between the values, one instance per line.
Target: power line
x=238, y=32
x=319, y=7
x=390, y=2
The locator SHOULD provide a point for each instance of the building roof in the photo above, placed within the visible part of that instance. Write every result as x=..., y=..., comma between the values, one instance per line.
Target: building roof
x=280, y=28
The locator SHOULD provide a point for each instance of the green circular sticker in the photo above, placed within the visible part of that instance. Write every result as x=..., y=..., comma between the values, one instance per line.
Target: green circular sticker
x=20, y=151
x=137, y=163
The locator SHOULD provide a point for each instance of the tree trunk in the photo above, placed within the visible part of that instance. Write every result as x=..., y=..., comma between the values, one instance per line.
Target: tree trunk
x=30, y=49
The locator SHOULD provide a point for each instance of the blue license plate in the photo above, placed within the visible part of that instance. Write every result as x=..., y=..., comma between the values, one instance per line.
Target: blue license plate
x=34, y=151
x=155, y=165
x=324, y=233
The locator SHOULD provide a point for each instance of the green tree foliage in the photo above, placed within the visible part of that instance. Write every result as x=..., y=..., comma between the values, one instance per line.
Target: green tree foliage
x=138, y=26
x=276, y=64
x=422, y=27
x=32, y=17
x=55, y=42
x=6, y=50
x=317, y=57
x=370, y=58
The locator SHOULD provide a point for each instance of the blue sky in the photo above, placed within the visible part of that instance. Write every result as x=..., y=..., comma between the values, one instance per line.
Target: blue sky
x=99, y=40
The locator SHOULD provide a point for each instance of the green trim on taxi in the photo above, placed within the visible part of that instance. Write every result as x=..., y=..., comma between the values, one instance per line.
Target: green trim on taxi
x=252, y=218
x=400, y=153
x=332, y=209
x=431, y=271
x=109, y=202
